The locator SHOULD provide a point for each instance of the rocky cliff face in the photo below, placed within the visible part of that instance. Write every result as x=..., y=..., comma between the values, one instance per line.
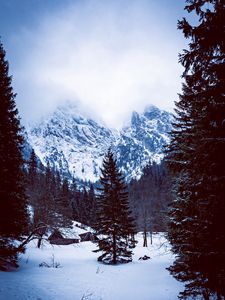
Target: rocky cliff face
x=76, y=145
x=143, y=140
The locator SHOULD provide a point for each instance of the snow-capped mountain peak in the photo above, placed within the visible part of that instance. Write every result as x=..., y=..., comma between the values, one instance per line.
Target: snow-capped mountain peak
x=76, y=144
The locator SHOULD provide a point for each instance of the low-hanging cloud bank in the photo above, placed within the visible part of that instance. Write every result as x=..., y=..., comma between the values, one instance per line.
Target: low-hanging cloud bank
x=113, y=57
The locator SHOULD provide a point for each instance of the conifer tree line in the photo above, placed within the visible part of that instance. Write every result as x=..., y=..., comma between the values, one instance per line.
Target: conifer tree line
x=149, y=198
x=64, y=200
x=55, y=201
x=196, y=157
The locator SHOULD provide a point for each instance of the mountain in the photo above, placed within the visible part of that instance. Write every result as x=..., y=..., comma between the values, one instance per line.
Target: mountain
x=142, y=141
x=75, y=144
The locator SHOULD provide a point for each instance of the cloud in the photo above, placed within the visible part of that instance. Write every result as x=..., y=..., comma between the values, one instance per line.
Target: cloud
x=113, y=57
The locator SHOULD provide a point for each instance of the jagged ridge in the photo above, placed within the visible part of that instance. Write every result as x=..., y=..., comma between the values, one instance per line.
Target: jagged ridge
x=75, y=144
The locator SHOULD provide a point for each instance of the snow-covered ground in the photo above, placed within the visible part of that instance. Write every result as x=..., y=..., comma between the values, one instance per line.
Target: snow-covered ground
x=81, y=277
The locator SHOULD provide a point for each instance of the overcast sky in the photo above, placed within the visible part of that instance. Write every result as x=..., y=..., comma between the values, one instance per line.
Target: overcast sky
x=111, y=56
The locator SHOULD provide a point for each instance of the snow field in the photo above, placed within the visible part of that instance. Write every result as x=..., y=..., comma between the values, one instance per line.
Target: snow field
x=81, y=277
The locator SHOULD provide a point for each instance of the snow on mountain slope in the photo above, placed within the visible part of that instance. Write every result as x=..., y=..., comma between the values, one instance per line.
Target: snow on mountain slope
x=142, y=141
x=76, y=145
x=72, y=143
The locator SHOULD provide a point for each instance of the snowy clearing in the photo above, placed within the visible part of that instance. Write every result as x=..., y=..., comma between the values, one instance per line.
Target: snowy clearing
x=81, y=277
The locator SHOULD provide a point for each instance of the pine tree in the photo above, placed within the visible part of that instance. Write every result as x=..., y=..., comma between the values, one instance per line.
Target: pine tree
x=114, y=222
x=92, y=206
x=44, y=206
x=196, y=157
x=64, y=208
x=32, y=169
x=13, y=213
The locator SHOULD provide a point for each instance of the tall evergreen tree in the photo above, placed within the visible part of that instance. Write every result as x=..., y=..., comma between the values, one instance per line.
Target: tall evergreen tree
x=196, y=157
x=114, y=222
x=43, y=203
x=13, y=213
x=32, y=168
x=92, y=206
x=64, y=207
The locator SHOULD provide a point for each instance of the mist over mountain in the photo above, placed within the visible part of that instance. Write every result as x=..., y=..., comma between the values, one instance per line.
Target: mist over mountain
x=75, y=144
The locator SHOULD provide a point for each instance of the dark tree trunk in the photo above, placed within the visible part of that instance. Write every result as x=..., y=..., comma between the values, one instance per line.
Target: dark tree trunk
x=114, y=249
x=39, y=242
x=206, y=295
x=145, y=243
